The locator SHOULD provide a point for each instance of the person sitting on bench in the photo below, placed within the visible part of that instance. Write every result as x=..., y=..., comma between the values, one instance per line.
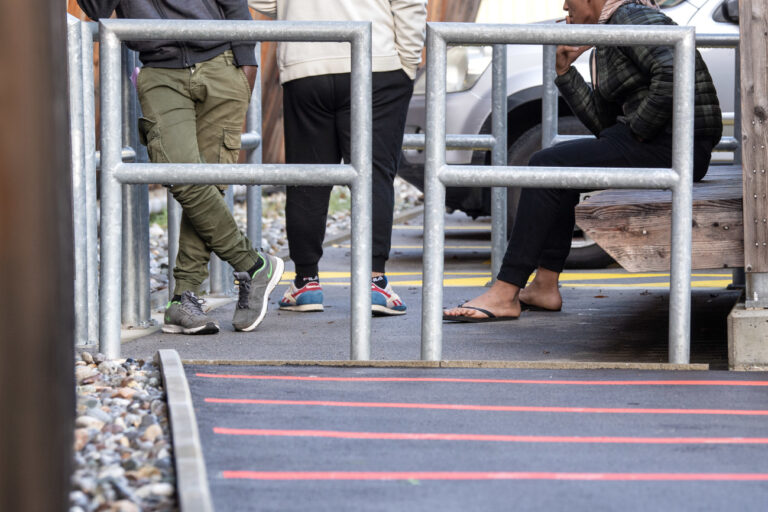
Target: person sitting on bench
x=629, y=109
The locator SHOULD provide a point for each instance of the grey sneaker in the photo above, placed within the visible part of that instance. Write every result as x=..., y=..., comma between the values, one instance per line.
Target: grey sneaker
x=254, y=292
x=187, y=317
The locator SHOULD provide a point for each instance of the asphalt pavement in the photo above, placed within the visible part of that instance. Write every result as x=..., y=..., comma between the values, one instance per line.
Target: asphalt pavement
x=608, y=314
x=330, y=439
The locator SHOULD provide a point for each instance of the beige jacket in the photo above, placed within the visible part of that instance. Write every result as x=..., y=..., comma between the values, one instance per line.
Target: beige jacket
x=398, y=34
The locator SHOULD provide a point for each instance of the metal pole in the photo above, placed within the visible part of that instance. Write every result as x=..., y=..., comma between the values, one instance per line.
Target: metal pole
x=737, y=153
x=549, y=99
x=174, y=223
x=135, y=269
x=111, y=201
x=361, y=191
x=434, y=200
x=221, y=272
x=91, y=187
x=499, y=158
x=682, y=201
x=254, y=156
x=77, y=168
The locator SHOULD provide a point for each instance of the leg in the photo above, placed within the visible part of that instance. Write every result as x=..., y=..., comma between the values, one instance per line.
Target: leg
x=310, y=137
x=222, y=94
x=543, y=228
x=391, y=94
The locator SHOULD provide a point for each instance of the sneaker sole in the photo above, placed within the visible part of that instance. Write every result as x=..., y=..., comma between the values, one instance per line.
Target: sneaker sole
x=378, y=310
x=279, y=267
x=304, y=308
x=209, y=328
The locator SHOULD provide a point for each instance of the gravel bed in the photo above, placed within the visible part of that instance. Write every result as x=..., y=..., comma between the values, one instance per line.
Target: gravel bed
x=122, y=447
x=273, y=225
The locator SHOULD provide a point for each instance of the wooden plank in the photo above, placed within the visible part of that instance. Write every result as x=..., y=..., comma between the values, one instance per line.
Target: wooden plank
x=633, y=226
x=754, y=109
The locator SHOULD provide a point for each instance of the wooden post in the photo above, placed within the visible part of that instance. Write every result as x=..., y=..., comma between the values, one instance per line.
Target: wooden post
x=753, y=25
x=36, y=265
x=747, y=333
x=753, y=46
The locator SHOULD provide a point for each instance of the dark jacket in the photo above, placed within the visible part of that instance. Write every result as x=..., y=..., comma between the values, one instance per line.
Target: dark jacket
x=634, y=85
x=178, y=54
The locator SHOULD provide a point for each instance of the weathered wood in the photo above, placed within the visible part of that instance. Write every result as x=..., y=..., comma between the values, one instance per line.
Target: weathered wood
x=36, y=265
x=753, y=47
x=633, y=226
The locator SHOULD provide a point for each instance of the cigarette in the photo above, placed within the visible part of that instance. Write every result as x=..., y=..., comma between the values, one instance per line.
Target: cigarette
x=560, y=20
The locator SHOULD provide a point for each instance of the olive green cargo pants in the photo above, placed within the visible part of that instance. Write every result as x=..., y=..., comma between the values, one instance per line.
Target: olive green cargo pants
x=195, y=115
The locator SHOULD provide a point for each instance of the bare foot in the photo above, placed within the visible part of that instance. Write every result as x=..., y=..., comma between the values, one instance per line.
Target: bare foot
x=543, y=291
x=500, y=299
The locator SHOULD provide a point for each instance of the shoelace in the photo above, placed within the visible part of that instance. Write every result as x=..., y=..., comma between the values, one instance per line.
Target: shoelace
x=192, y=304
x=243, y=281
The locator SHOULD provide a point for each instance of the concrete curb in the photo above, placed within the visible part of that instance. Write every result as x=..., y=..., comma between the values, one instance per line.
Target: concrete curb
x=191, y=477
x=534, y=365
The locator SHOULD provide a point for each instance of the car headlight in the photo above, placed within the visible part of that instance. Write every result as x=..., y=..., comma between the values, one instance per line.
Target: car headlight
x=465, y=65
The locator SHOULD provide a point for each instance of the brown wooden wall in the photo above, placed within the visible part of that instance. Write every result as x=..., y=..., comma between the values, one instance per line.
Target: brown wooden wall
x=272, y=96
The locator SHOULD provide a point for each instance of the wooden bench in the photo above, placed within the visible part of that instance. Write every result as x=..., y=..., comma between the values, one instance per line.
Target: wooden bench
x=633, y=226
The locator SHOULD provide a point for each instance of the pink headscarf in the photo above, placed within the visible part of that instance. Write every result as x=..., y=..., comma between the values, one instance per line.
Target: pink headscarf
x=611, y=5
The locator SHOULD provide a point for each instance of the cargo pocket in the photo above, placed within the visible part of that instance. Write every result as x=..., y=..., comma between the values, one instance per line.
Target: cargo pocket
x=230, y=146
x=149, y=135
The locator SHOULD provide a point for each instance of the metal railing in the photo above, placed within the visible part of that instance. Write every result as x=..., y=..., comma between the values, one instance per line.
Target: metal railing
x=83, y=163
x=438, y=174
x=116, y=173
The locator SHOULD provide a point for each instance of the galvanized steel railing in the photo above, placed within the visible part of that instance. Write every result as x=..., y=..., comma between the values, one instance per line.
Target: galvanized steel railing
x=438, y=174
x=115, y=173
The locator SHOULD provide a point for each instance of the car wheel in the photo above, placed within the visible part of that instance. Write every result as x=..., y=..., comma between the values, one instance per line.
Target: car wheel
x=585, y=253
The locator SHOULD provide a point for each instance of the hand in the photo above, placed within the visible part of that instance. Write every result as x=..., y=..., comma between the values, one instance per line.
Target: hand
x=250, y=75
x=566, y=55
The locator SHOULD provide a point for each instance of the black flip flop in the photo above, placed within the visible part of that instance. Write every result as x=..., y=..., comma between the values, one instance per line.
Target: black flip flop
x=524, y=306
x=489, y=317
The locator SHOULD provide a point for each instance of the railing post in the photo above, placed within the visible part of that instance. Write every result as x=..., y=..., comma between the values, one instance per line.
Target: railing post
x=173, y=209
x=361, y=190
x=77, y=168
x=549, y=107
x=111, y=200
x=254, y=156
x=682, y=201
x=91, y=201
x=499, y=158
x=135, y=268
x=434, y=200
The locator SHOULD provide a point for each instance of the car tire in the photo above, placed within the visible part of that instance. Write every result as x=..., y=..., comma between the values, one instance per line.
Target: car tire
x=584, y=252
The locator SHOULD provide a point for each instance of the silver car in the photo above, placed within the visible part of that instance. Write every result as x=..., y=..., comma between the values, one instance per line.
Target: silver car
x=469, y=108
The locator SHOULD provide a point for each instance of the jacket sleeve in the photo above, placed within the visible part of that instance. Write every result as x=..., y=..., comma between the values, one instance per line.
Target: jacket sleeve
x=265, y=7
x=410, y=18
x=243, y=51
x=594, y=112
x=96, y=9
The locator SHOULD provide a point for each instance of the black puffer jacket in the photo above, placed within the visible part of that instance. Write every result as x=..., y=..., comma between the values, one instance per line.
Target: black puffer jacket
x=177, y=54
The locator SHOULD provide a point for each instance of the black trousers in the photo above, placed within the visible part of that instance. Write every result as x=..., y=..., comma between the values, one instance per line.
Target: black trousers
x=317, y=130
x=545, y=217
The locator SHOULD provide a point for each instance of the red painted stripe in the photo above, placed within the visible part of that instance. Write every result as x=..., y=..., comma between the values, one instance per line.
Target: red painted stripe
x=487, y=437
x=515, y=475
x=495, y=381
x=495, y=408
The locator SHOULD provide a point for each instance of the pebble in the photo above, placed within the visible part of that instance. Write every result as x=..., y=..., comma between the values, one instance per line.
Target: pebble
x=156, y=489
x=89, y=422
x=152, y=432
